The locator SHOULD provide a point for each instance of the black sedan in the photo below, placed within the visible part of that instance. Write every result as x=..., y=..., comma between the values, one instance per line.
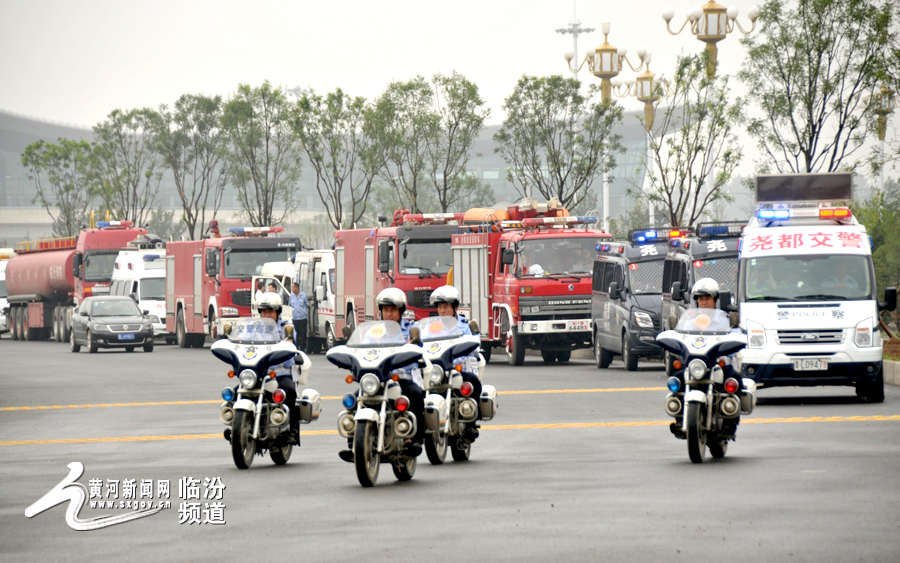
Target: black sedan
x=110, y=322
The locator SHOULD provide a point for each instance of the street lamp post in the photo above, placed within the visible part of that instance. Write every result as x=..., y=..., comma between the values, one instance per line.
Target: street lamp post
x=575, y=29
x=883, y=104
x=647, y=90
x=605, y=62
x=711, y=22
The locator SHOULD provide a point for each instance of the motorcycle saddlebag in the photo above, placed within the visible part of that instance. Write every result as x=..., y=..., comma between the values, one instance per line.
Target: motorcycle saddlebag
x=488, y=405
x=310, y=404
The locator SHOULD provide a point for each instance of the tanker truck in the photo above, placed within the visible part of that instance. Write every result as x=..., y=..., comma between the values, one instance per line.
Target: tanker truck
x=48, y=278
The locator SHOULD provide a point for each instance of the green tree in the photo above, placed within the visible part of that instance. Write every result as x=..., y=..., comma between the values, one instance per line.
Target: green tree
x=554, y=138
x=264, y=155
x=125, y=169
x=404, y=125
x=162, y=223
x=461, y=113
x=807, y=72
x=191, y=142
x=62, y=176
x=695, y=149
x=341, y=151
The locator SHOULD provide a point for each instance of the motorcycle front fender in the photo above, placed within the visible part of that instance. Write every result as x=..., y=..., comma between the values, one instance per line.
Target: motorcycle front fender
x=695, y=396
x=245, y=405
x=366, y=414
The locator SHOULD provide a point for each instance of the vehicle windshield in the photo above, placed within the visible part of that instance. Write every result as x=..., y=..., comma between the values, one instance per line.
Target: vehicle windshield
x=425, y=257
x=646, y=277
x=98, y=266
x=704, y=321
x=153, y=289
x=817, y=277
x=247, y=263
x=439, y=328
x=255, y=331
x=377, y=334
x=115, y=308
x=723, y=270
x=557, y=256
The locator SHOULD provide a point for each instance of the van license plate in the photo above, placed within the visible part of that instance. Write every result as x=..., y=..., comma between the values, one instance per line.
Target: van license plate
x=811, y=364
x=127, y=336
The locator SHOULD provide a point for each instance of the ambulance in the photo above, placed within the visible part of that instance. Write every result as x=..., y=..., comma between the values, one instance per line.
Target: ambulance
x=140, y=273
x=806, y=288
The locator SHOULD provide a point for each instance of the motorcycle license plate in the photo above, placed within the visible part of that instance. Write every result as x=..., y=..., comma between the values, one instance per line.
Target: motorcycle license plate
x=811, y=364
x=127, y=336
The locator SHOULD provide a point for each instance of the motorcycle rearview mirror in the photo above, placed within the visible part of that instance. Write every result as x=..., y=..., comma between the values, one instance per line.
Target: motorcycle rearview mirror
x=346, y=332
x=226, y=328
x=414, y=336
x=673, y=322
x=473, y=326
x=735, y=319
x=289, y=331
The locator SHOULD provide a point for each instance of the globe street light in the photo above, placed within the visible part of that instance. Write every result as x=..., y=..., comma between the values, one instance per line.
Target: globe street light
x=711, y=22
x=575, y=29
x=605, y=62
x=646, y=89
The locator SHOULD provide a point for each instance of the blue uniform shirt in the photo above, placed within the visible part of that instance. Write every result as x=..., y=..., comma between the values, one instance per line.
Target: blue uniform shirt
x=299, y=306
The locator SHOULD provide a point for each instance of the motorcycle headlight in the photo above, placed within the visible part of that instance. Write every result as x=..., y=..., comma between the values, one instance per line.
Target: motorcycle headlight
x=248, y=379
x=437, y=374
x=863, y=337
x=697, y=369
x=643, y=320
x=756, y=335
x=370, y=384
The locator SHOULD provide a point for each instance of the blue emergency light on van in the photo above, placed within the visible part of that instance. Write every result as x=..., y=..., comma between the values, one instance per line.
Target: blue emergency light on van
x=774, y=214
x=645, y=236
x=151, y=257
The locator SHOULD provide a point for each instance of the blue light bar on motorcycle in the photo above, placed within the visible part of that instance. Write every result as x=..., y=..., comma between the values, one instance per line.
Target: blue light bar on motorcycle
x=349, y=401
x=228, y=394
x=773, y=214
x=674, y=384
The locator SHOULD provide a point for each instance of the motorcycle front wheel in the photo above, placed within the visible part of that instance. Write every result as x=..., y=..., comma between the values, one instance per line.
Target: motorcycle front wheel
x=243, y=447
x=696, y=436
x=365, y=457
x=404, y=468
x=281, y=455
x=460, y=450
x=436, y=447
x=719, y=449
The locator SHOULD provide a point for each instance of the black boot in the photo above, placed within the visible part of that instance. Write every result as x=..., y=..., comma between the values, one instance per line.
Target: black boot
x=346, y=455
x=471, y=433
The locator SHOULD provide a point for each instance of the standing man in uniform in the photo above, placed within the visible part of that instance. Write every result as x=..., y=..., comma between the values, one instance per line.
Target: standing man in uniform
x=299, y=315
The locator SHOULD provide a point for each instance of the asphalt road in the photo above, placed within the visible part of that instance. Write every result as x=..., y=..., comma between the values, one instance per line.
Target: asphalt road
x=578, y=465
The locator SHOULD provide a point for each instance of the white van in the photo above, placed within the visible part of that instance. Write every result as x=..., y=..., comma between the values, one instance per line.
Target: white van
x=315, y=274
x=140, y=273
x=5, y=255
x=806, y=288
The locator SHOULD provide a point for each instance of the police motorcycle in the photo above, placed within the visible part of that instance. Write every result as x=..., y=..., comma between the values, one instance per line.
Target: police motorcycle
x=707, y=403
x=376, y=417
x=449, y=405
x=255, y=412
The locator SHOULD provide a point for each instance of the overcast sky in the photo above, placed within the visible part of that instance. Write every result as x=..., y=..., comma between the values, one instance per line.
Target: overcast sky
x=76, y=60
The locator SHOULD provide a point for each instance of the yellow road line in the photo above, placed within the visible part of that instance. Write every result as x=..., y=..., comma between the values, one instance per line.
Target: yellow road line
x=328, y=398
x=538, y=426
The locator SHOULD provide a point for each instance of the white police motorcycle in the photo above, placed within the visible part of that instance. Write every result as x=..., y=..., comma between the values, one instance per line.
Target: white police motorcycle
x=376, y=417
x=449, y=405
x=708, y=405
x=255, y=412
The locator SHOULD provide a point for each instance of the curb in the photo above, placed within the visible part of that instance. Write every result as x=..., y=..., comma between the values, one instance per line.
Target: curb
x=891, y=372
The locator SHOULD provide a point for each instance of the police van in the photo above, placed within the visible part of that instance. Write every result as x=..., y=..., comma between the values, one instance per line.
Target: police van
x=140, y=273
x=711, y=252
x=627, y=296
x=806, y=288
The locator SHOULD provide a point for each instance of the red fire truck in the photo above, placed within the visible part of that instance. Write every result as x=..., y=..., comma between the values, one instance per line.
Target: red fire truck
x=525, y=275
x=48, y=278
x=209, y=280
x=413, y=254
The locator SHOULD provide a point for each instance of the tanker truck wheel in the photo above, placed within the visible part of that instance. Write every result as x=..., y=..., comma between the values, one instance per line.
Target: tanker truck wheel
x=27, y=332
x=54, y=326
x=14, y=323
x=65, y=315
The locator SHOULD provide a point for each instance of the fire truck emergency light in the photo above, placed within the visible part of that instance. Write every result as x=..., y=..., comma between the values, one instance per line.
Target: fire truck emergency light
x=115, y=224
x=432, y=217
x=537, y=221
x=255, y=230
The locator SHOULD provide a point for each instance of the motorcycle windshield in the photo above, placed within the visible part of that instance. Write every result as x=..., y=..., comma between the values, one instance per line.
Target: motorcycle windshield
x=377, y=334
x=439, y=328
x=704, y=321
x=255, y=331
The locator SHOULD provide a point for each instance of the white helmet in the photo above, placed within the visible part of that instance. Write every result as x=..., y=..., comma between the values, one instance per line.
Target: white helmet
x=391, y=296
x=269, y=301
x=445, y=294
x=705, y=286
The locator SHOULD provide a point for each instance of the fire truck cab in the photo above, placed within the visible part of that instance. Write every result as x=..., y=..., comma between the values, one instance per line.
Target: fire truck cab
x=806, y=288
x=525, y=274
x=412, y=254
x=208, y=281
